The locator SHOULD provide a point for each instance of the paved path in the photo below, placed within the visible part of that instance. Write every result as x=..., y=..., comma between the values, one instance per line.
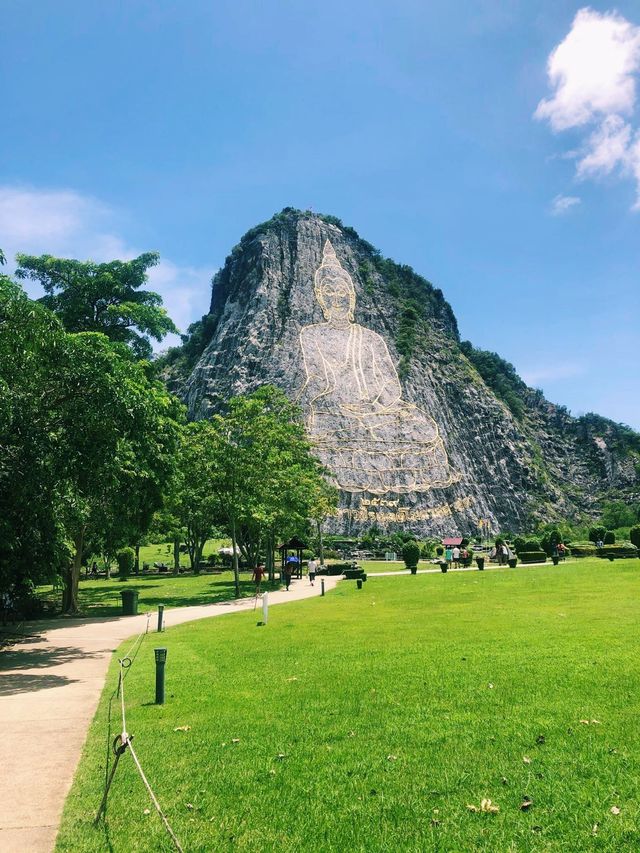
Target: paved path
x=50, y=683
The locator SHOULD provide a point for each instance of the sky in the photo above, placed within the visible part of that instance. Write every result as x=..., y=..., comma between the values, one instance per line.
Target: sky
x=493, y=145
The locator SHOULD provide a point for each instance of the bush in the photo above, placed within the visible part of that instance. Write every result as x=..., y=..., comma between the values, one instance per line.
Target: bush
x=618, y=551
x=532, y=545
x=634, y=535
x=126, y=559
x=596, y=534
x=439, y=550
x=583, y=550
x=533, y=556
x=411, y=553
x=519, y=544
x=331, y=554
x=609, y=538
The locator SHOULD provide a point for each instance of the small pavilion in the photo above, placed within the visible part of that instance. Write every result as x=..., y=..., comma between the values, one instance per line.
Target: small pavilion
x=295, y=545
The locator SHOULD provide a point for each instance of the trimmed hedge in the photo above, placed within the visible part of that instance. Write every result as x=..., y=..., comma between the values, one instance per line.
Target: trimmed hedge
x=533, y=556
x=618, y=551
x=583, y=551
x=609, y=538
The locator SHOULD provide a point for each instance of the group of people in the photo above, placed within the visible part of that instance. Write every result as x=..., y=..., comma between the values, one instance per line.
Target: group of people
x=291, y=566
x=456, y=556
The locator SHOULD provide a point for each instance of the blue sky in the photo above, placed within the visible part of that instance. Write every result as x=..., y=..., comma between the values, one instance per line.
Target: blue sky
x=178, y=126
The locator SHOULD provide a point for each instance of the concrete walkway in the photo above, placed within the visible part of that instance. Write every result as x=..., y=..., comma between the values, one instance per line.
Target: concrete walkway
x=50, y=683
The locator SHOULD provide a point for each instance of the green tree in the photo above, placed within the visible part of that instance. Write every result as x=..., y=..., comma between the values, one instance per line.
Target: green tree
x=193, y=504
x=117, y=432
x=616, y=514
x=91, y=297
x=265, y=475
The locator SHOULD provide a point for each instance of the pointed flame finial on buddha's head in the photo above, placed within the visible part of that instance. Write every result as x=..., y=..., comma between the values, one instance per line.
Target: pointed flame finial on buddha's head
x=329, y=254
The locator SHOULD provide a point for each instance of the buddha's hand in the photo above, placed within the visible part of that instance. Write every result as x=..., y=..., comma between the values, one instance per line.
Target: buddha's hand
x=375, y=407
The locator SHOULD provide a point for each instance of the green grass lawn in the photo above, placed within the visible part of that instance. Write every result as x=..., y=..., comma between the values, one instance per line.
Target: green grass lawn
x=163, y=553
x=102, y=597
x=369, y=720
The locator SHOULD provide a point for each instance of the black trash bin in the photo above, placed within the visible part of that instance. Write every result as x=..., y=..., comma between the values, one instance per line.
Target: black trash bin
x=129, y=602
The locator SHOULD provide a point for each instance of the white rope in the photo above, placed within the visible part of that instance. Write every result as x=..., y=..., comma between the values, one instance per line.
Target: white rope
x=154, y=799
x=125, y=664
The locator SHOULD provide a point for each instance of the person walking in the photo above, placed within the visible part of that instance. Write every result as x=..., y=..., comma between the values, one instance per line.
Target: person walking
x=312, y=568
x=288, y=571
x=258, y=574
x=456, y=557
x=448, y=555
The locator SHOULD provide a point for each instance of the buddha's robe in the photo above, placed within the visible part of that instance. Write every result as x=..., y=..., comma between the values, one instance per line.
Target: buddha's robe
x=362, y=429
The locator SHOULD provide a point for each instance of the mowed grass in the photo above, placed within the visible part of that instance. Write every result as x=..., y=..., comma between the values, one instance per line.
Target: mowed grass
x=368, y=721
x=102, y=597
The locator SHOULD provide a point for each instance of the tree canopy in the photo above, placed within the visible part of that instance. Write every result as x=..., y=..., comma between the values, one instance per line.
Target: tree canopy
x=107, y=298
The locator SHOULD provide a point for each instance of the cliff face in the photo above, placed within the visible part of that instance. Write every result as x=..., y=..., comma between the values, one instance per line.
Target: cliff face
x=388, y=389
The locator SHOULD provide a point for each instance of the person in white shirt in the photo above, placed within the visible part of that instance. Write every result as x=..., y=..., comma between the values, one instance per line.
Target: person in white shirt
x=456, y=557
x=312, y=568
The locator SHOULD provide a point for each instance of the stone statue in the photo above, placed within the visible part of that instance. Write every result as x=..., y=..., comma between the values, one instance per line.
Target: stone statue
x=362, y=429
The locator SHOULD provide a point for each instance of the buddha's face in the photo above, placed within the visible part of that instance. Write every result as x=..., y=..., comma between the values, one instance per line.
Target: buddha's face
x=336, y=297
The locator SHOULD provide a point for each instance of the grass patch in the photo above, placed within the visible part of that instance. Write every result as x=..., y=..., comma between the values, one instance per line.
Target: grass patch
x=102, y=597
x=368, y=720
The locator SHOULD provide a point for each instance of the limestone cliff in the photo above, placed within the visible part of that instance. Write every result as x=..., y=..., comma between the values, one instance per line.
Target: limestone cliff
x=512, y=456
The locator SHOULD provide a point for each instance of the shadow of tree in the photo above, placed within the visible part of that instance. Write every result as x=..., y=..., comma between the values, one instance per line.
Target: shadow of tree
x=28, y=682
x=25, y=658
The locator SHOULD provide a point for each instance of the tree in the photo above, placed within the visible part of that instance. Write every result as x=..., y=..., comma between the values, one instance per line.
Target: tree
x=33, y=544
x=616, y=514
x=265, y=476
x=91, y=297
x=192, y=502
x=117, y=432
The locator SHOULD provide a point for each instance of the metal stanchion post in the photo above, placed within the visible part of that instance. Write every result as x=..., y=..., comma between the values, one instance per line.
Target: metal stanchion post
x=160, y=616
x=322, y=587
x=161, y=659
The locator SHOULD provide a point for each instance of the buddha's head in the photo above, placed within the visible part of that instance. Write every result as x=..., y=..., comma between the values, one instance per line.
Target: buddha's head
x=334, y=288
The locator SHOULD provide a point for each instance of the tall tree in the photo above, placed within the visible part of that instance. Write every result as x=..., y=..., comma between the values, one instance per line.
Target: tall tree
x=264, y=470
x=107, y=298
x=118, y=431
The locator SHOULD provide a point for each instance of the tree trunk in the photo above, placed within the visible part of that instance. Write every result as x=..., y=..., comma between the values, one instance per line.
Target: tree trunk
x=270, y=566
x=320, y=543
x=234, y=546
x=136, y=564
x=176, y=556
x=199, y=545
x=70, y=596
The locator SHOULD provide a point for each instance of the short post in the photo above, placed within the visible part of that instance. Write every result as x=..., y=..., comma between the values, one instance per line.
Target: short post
x=265, y=608
x=322, y=586
x=160, y=616
x=161, y=659
x=359, y=583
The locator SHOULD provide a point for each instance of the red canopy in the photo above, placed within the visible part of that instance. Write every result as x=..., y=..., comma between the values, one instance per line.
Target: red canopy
x=454, y=540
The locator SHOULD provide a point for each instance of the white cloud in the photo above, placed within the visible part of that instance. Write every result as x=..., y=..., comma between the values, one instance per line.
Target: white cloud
x=592, y=70
x=68, y=224
x=563, y=204
x=593, y=74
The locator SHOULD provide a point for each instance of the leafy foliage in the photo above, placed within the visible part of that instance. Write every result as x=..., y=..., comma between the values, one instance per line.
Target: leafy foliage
x=499, y=375
x=91, y=297
x=86, y=443
x=609, y=538
x=411, y=554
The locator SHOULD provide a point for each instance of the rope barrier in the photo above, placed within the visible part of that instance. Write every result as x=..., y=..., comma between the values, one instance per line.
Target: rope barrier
x=122, y=742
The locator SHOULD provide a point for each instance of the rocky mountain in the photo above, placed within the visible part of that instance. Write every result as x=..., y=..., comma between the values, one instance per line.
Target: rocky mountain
x=421, y=430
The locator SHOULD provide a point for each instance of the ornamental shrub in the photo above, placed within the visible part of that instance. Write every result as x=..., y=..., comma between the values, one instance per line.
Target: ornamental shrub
x=439, y=550
x=411, y=553
x=596, y=534
x=533, y=556
x=532, y=545
x=634, y=535
x=609, y=538
x=519, y=544
x=126, y=559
